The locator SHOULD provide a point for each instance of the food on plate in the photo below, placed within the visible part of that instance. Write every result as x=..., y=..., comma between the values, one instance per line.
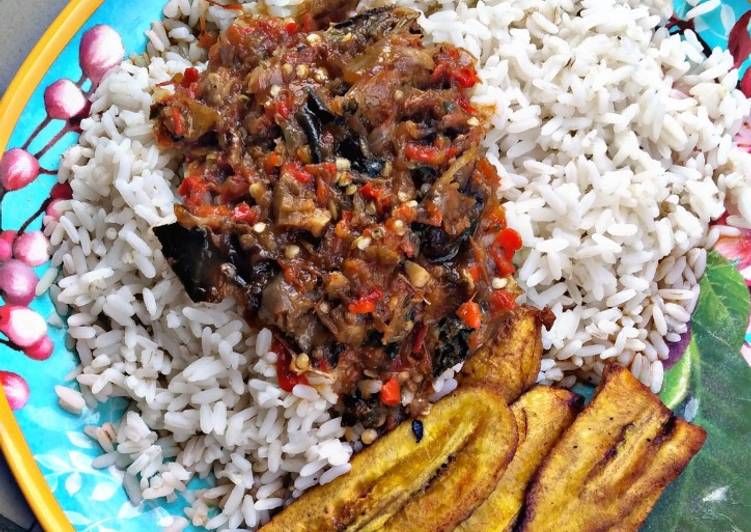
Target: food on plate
x=542, y=415
x=334, y=186
x=429, y=478
x=286, y=237
x=613, y=462
x=599, y=469
x=510, y=360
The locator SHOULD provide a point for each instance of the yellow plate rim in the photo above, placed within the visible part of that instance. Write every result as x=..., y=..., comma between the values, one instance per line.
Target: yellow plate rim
x=14, y=446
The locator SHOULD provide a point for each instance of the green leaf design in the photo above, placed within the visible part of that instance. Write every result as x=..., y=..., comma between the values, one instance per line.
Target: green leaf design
x=713, y=380
x=675, y=386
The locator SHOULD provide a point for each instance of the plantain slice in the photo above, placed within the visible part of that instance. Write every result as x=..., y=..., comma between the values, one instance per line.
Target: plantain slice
x=468, y=439
x=511, y=360
x=542, y=414
x=612, y=464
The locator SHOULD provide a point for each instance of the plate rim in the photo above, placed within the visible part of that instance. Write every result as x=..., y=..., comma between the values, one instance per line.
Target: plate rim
x=13, y=444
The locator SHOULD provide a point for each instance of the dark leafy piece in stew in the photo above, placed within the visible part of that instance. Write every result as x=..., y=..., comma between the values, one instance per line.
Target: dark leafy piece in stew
x=335, y=185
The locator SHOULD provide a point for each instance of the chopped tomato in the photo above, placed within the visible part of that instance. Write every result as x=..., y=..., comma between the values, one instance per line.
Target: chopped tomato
x=440, y=71
x=367, y=303
x=502, y=263
x=380, y=196
x=488, y=172
x=475, y=271
x=178, y=122
x=327, y=170
x=245, y=213
x=463, y=102
x=428, y=154
x=271, y=161
x=422, y=153
x=471, y=314
x=509, y=240
x=463, y=76
x=298, y=172
x=190, y=76
x=405, y=213
x=370, y=192
x=502, y=300
x=194, y=190
x=281, y=108
x=286, y=377
x=61, y=191
x=291, y=28
x=391, y=394
x=466, y=77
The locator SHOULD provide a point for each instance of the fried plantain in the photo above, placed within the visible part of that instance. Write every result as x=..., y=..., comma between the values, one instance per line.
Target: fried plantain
x=612, y=464
x=511, y=360
x=542, y=414
x=468, y=440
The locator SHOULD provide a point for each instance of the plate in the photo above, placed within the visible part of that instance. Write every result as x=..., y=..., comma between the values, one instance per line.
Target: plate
x=46, y=448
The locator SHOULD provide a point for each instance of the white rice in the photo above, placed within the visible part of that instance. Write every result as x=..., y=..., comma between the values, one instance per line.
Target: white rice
x=612, y=169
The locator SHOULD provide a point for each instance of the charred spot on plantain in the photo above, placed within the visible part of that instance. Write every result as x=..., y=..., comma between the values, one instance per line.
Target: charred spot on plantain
x=418, y=430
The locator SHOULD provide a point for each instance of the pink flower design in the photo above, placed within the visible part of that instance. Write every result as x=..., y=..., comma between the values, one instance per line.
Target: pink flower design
x=743, y=138
x=736, y=249
x=21, y=328
x=16, y=389
x=101, y=50
x=18, y=168
x=64, y=100
x=739, y=41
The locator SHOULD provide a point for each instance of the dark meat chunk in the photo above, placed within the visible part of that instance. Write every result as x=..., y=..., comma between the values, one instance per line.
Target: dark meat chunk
x=355, y=149
x=437, y=245
x=369, y=412
x=451, y=345
x=284, y=307
x=195, y=260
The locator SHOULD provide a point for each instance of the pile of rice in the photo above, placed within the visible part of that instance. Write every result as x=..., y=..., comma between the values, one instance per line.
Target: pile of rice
x=615, y=147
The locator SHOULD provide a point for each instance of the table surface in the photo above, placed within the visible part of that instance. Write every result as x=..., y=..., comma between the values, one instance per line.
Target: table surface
x=24, y=22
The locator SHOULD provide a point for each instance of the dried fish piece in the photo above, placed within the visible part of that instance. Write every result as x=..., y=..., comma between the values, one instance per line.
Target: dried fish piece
x=612, y=464
x=468, y=439
x=511, y=359
x=542, y=415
